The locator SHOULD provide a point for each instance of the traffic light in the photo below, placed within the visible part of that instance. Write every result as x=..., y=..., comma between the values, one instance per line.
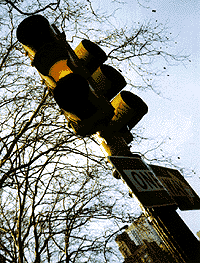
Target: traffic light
x=87, y=90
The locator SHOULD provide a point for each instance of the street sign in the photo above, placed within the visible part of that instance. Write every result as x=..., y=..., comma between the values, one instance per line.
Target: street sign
x=142, y=181
x=178, y=187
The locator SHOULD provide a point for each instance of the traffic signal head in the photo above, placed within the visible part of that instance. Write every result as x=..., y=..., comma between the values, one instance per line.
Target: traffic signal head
x=82, y=86
x=68, y=70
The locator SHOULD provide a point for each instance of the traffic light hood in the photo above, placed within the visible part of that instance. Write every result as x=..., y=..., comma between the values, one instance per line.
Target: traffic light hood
x=90, y=54
x=35, y=31
x=48, y=55
x=108, y=81
x=74, y=86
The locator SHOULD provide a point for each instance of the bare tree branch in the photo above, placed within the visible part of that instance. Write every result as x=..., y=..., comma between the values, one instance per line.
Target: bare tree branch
x=37, y=11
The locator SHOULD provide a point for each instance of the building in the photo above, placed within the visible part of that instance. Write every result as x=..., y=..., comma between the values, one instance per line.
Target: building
x=140, y=243
x=141, y=230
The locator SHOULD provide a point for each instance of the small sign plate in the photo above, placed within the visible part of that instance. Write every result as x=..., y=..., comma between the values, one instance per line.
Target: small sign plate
x=142, y=181
x=178, y=187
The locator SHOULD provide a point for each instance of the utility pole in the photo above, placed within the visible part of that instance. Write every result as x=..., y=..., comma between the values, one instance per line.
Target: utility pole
x=89, y=95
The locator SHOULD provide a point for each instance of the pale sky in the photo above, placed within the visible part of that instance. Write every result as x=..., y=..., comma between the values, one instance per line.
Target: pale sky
x=178, y=115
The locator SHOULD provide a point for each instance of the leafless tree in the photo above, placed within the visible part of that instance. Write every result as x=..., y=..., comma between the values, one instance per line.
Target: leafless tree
x=53, y=213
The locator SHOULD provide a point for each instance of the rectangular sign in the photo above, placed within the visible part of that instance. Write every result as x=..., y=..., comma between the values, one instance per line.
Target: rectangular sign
x=142, y=181
x=178, y=187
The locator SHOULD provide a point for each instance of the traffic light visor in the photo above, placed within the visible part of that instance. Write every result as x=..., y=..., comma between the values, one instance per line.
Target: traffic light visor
x=47, y=56
x=129, y=110
x=91, y=54
x=74, y=86
x=108, y=81
x=34, y=31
